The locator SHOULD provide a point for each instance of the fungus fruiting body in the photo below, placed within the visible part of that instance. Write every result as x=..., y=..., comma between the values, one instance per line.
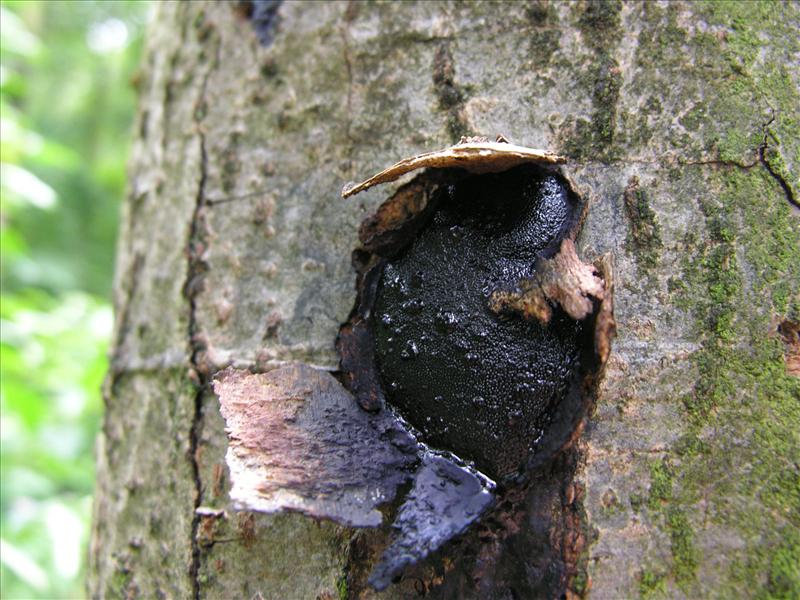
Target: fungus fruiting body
x=469, y=380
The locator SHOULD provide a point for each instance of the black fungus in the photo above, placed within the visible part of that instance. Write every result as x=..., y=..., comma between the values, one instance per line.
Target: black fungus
x=445, y=499
x=473, y=382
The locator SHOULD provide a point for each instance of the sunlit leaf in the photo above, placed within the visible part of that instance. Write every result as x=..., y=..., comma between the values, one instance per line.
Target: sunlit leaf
x=66, y=530
x=22, y=566
x=15, y=36
x=109, y=35
x=26, y=186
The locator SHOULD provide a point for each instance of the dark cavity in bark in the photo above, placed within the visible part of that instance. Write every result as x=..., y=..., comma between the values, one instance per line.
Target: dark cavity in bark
x=473, y=382
x=508, y=395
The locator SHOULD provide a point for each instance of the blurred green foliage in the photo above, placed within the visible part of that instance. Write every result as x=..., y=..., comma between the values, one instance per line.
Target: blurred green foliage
x=66, y=108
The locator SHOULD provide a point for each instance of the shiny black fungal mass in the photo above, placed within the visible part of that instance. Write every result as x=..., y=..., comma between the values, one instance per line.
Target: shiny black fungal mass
x=473, y=382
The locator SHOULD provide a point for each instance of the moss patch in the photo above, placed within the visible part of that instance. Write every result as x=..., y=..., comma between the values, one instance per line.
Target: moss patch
x=784, y=574
x=684, y=553
x=673, y=519
x=645, y=232
x=660, y=485
x=599, y=21
x=738, y=281
x=341, y=587
x=651, y=584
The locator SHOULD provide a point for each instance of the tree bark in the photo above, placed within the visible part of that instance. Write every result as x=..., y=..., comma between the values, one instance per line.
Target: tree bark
x=680, y=122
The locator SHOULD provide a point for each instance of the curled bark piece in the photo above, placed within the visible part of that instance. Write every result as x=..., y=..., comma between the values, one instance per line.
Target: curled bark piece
x=528, y=301
x=298, y=441
x=445, y=500
x=474, y=156
x=563, y=279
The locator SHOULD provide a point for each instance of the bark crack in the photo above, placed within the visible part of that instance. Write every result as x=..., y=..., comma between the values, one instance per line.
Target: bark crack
x=779, y=178
x=193, y=286
x=237, y=198
x=344, y=31
x=201, y=379
x=450, y=95
x=776, y=175
x=721, y=163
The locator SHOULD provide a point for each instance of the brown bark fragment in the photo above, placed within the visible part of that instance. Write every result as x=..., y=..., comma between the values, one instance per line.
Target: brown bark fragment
x=399, y=217
x=564, y=280
x=605, y=327
x=790, y=333
x=357, y=348
x=528, y=301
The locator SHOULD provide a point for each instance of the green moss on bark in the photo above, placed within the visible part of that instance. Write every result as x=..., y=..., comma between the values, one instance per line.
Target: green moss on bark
x=784, y=574
x=684, y=553
x=673, y=519
x=652, y=584
x=645, y=232
x=599, y=21
x=739, y=281
x=660, y=485
x=341, y=587
x=743, y=411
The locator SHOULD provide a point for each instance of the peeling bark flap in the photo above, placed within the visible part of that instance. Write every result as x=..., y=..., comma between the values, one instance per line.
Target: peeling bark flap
x=298, y=441
x=444, y=501
x=476, y=155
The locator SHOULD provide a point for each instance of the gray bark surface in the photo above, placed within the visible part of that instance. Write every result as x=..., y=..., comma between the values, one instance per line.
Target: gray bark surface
x=680, y=121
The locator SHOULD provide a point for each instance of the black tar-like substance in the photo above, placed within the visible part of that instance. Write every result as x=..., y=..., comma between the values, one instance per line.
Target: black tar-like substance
x=473, y=382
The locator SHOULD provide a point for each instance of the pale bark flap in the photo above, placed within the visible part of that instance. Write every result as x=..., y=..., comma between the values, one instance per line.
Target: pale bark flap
x=474, y=156
x=298, y=441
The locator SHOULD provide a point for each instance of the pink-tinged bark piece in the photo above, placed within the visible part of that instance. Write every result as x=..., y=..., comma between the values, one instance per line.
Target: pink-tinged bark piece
x=298, y=441
x=570, y=282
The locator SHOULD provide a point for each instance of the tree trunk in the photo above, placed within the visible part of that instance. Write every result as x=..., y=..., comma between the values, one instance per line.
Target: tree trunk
x=680, y=122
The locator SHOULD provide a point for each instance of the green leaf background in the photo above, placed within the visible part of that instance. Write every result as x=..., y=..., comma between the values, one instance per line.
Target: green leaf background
x=66, y=107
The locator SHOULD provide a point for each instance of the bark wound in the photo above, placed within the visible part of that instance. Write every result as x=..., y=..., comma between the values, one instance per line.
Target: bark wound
x=409, y=271
x=508, y=394
x=469, y=381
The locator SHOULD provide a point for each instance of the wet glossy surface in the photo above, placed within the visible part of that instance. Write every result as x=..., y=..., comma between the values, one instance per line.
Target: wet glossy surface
x=445, y=499
x=470, y=381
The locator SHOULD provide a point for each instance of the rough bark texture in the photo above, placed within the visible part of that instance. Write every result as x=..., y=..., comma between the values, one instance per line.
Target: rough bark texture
x=680, y=122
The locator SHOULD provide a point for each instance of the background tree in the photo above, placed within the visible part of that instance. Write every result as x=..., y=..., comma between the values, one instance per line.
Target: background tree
x=681, y=124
